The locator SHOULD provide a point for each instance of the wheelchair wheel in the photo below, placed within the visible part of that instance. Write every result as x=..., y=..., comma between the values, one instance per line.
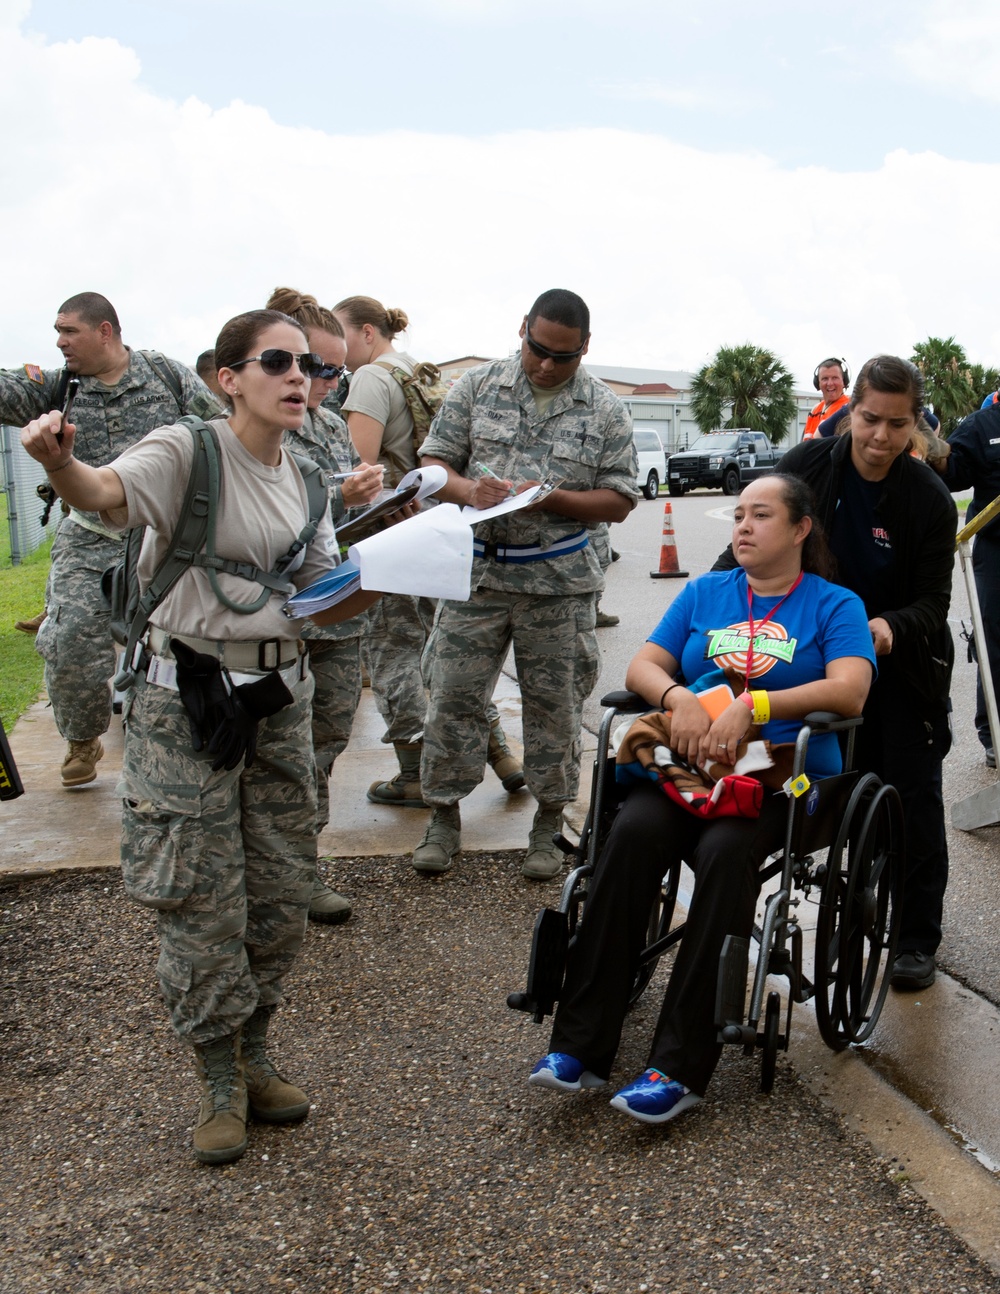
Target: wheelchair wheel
x=769, y=1042
x=660, y=916
x=828, y=1000
x=869, y=925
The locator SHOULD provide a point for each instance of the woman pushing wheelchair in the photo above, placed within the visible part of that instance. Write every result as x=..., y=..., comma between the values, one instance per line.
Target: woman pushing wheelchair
x=793, y=643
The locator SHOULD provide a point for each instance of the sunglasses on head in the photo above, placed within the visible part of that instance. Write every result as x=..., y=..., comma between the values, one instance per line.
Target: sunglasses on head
x=276, y=362
x=556, y=356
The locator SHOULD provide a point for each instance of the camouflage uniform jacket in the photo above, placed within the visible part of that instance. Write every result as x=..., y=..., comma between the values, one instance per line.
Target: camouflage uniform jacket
x=324, y=438
x=108, y=419
x=582, y=442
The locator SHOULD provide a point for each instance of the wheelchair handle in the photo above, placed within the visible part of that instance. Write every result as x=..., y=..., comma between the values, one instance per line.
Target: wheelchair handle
x=828, y=721
x=626, y=702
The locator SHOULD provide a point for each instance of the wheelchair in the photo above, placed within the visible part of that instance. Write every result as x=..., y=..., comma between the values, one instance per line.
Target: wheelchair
x=843, y=851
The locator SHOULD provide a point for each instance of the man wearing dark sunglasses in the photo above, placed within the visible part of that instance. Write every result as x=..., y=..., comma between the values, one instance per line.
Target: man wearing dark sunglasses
x=123, y=395
x=537, y=417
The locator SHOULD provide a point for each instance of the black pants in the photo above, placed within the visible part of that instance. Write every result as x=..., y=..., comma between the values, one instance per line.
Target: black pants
x=986, y=565
x=904, y=740
x=648, y=835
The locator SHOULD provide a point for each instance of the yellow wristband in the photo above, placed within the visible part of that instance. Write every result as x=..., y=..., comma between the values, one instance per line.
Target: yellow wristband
x=761, y=707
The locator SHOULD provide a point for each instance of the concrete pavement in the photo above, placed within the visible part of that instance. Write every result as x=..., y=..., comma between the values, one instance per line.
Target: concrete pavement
x=922, y=1091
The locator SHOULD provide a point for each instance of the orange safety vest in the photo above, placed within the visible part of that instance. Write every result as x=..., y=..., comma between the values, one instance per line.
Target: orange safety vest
x=821, y=411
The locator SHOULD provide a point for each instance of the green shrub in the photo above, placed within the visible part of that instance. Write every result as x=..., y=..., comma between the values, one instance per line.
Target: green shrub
x=22, y=595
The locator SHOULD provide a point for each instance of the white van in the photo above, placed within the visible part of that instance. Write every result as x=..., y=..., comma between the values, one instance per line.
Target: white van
x=652, y=462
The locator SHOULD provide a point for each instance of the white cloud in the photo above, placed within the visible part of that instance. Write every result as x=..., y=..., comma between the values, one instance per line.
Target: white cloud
x=957, y=48
x=184, y=216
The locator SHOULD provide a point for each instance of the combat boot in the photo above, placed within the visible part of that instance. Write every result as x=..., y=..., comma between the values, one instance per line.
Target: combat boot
x=544, y=860
x=221, y=1133
x=31, y=626
x=503, y=763
x=403, y=789
x=442, y=840
x=272, y=1098
x=327, y=905
x=80, y=764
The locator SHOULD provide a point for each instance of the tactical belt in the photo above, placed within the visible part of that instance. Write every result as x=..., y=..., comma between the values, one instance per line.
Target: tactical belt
x=519, y=553
x=163, y=673
x=268, y=653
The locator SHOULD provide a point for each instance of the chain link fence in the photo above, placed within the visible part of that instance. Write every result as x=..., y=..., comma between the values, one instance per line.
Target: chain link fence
x=21, y=477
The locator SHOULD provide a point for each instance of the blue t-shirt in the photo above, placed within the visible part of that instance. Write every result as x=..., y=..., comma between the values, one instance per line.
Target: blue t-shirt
x=706, y=628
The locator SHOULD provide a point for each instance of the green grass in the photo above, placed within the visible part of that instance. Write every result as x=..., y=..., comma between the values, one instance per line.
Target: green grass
x=22, y=595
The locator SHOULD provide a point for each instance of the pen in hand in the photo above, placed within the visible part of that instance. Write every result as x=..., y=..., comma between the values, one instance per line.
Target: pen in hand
x=483, y=470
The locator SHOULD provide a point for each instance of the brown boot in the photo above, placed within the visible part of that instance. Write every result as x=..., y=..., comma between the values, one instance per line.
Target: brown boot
x=31, y=626
x=80, y=764
x=272, y=1098
x=403, y=789
x=221, y=1132
x=503, y=763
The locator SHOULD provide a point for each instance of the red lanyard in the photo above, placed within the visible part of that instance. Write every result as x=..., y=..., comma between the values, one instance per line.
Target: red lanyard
x=754, y=628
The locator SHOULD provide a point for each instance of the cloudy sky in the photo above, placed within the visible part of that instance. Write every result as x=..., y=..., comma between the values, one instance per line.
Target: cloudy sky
x=814, y=179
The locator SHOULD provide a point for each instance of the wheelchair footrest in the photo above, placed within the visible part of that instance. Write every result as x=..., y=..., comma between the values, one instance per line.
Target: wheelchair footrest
x=546, y=965
x=731, y=988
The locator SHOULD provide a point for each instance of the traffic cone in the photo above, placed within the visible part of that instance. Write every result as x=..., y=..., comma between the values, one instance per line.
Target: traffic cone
x=668, y=550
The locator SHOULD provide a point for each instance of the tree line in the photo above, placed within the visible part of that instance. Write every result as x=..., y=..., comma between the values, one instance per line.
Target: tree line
x=748, y=386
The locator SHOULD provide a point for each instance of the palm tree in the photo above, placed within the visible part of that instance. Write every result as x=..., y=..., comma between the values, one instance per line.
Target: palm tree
x=984, y=382
x=752, y=384
x=947, y=381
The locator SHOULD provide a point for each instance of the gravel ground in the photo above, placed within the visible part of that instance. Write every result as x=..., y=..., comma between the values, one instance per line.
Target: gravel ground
x=427, y=1163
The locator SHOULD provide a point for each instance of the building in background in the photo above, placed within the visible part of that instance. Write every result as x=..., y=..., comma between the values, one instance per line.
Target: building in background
x=658, y=399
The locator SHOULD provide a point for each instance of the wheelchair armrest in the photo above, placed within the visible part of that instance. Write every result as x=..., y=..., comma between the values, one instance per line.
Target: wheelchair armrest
x=626, y=702
x=828, y=721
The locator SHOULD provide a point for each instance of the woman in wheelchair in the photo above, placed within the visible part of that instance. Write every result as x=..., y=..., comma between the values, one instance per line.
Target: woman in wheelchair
x=797, y=644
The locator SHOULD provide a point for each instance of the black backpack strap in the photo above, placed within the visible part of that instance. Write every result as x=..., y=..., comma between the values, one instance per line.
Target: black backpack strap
x=59, y=395
x=167, y=374
x=198, y=509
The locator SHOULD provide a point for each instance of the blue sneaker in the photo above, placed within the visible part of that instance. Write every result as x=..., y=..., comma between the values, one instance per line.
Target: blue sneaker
x=563, y=1073
x=654, y=1098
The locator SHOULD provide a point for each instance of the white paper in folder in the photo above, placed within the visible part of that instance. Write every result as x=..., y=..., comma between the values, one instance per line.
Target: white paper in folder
x=428, y=556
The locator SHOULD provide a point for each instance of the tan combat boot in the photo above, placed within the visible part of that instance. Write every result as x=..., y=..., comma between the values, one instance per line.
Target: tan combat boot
x=403, y=789
x=80, y=764
x=31, y=626
x=221, y=1132
x=272, y=1098
x=544, y=860
x=503, y=763
x=442, y=840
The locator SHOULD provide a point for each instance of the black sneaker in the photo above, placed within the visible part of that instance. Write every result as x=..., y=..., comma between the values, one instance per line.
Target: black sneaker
x=913, y=971
x=991, y=757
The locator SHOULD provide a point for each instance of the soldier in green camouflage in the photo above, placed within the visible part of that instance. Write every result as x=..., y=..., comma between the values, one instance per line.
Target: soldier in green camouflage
x=334, y=650
x=123, y=395
x=538, y=417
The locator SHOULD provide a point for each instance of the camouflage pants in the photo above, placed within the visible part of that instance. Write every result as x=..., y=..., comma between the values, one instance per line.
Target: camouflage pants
x=75, y=639
x=336, y=668
x=557, y=661
x=397, y=635
x=227, y=860
x=395, y=646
